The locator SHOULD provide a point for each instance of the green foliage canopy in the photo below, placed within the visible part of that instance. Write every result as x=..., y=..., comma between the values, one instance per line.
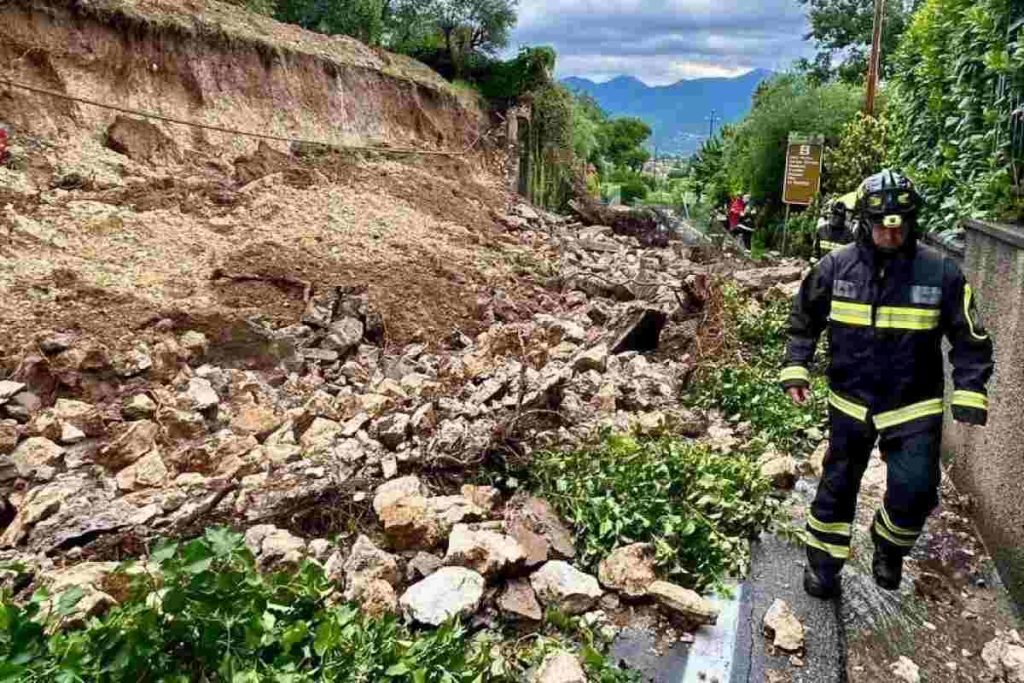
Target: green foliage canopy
x=842, y=30
x=949, y=117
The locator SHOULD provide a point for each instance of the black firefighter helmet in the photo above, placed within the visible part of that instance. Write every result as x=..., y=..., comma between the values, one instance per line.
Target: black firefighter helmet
x=888, y=199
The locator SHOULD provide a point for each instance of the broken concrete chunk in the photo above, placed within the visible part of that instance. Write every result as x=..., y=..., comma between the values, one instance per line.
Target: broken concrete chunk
x=449, y=592
x=629, y=570
x=558, y=584
x=783, y=627
x=683, y=604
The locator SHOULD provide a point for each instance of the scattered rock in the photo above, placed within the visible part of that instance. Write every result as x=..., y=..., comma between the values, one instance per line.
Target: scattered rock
x=366, y=563
x=629, y=570
x=447, y=593
x=560, y=585
x=780, y=469
x=201, y=395
x=759, y=279
x=906, y=670
x=35, y=453
x=783, y=627
x=279, y=547
x=595, y=359
x=139, y=140
x=560, y=667
x=683, y=604
x=9, y=389
x=482, y=550
x=395, y=491
x=82, y=415
x=393, y=430
x=8, y=436
x=519, y=602
x=320, y=436
x=538, y=517
x=139, y=407
x=1004, y=656
x=422, y=565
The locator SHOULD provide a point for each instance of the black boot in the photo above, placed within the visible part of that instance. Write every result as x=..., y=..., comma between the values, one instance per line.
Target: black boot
x=887, y=568
x=821, y=576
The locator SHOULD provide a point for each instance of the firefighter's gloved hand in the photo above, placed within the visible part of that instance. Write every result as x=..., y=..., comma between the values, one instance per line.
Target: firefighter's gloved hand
x=799, y=395
x=970, y=416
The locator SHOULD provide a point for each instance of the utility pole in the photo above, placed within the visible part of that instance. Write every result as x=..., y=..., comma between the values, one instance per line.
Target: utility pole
x=712, y=120
x=874, y=66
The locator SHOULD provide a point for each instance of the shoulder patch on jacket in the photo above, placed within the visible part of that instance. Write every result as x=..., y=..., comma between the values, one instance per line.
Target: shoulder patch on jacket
x=845, y=289
x=922, y=295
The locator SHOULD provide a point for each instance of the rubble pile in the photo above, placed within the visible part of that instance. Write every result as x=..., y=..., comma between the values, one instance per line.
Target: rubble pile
x=158, y=441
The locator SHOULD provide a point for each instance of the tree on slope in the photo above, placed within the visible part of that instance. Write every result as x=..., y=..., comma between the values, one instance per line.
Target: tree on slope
x=473, y=27
x=842, y=32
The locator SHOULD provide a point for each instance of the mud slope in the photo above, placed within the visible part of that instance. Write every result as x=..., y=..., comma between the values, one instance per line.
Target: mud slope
x=218, y=64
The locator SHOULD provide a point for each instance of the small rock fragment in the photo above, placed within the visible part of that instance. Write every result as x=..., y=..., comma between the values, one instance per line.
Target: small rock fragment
x=139, y=407
x=482, y=550
x=906, y=670
x=518, y=601
x=560, y=667
x=783, y=627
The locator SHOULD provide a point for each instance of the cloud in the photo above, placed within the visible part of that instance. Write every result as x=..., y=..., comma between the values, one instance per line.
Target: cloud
x=662, y=41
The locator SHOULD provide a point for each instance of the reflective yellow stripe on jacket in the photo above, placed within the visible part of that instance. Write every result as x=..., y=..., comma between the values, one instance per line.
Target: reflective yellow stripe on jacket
x=848, y=407
x=831, y=246
x=895, y=418
x=795, y=372
x=887, y=317
x=970, y=399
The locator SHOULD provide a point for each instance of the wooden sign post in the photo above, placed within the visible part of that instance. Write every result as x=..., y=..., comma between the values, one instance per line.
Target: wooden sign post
x=805, y=155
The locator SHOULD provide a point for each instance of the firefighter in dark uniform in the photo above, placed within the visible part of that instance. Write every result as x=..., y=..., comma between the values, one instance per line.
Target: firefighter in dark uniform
x=886, y=302
x=835, y=230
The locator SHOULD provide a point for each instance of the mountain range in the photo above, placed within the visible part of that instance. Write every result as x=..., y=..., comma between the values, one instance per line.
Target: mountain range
x=679, y=114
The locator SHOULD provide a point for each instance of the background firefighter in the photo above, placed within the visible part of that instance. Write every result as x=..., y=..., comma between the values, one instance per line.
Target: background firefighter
x=836, y=227
x=886, y=302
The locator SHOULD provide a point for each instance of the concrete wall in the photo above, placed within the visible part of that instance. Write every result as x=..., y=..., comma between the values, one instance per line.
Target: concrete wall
x=988, y=464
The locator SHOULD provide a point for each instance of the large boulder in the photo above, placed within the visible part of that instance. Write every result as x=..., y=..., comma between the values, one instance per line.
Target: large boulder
x=629, y=570
x=447, y=593
x=485, y=551
x=560, y=585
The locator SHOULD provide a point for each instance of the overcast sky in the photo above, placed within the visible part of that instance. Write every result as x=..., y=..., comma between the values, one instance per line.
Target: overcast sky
x=663, y=41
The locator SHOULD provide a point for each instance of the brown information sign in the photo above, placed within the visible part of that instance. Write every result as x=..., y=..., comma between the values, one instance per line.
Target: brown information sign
x=803, y=168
